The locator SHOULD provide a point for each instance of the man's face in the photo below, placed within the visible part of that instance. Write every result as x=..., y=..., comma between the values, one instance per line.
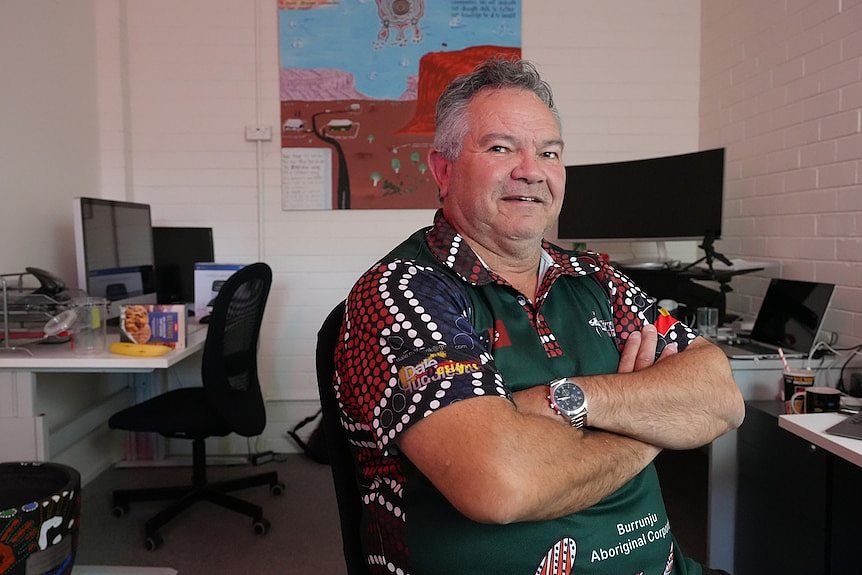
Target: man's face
x=508, y=183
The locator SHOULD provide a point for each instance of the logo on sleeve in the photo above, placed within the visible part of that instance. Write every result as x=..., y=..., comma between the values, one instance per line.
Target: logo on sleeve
x=436, y=366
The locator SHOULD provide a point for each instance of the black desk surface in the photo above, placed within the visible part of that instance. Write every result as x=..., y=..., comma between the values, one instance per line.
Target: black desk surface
x=693, y=273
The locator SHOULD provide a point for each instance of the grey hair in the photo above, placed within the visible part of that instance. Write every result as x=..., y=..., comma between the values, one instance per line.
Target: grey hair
x=451, y=121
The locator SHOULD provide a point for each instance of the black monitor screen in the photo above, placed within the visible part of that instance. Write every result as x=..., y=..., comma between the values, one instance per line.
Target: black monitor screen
x=177, y=250
x=672, y=197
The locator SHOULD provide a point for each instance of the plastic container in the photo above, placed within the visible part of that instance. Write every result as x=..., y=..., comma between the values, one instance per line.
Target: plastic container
x=89, y=332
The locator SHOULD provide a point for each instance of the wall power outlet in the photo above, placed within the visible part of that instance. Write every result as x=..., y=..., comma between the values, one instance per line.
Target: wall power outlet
x=258, y=133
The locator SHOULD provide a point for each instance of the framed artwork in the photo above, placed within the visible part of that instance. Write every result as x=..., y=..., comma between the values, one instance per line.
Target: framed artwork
x=359, y=80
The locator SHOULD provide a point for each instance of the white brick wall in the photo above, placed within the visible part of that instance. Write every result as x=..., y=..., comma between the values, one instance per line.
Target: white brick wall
x=781, y=88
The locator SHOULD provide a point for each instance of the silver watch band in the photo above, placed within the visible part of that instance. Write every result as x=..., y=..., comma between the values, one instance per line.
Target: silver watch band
x=580, y=420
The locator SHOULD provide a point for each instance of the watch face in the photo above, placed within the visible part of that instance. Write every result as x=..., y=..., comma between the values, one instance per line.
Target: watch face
x=569, y=397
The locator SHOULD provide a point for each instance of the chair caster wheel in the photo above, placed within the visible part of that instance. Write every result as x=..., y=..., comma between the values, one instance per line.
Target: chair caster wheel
x=153, y=542
x=277, y=488
x=261, y=526
x=120, y=510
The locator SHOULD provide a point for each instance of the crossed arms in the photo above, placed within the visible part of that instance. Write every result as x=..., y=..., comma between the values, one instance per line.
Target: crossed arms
x=522, y=462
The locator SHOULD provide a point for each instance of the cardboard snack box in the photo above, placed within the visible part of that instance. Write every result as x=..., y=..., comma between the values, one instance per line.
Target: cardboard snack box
x=149, y=323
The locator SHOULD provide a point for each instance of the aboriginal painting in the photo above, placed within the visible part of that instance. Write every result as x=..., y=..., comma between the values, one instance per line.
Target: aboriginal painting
x=358, y=83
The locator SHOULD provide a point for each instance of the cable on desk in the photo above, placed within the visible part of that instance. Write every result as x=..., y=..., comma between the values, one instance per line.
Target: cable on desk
x=854, y=352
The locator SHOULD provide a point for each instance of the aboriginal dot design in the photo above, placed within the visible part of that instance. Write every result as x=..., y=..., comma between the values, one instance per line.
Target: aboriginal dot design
x=409, y=348
x=400, y=315
x=41, y=529
x=560, y=559
x=451, y=249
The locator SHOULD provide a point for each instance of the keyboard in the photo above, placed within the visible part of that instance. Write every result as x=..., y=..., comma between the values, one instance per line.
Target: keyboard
x=758, y=348
x=749, y=349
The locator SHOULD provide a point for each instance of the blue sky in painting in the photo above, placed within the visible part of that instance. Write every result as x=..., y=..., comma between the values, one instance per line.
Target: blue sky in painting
x=341, y=36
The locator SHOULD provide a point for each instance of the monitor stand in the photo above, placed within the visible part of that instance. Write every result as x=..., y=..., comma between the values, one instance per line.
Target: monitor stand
x=710, y=254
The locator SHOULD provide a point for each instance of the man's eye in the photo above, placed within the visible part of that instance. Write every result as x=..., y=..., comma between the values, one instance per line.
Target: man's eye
x=551, y=155
x=497, y=149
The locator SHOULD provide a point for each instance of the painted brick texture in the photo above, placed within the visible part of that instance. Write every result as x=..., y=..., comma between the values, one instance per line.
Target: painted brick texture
x=781, y=89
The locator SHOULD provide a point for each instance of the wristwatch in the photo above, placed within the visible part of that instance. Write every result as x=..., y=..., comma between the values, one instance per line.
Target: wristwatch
x=568, y=399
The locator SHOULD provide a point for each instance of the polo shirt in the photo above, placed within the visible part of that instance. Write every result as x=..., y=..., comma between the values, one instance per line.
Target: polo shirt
x=430, y=325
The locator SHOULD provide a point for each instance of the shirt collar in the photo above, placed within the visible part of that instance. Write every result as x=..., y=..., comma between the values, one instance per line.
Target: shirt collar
x=450, y=248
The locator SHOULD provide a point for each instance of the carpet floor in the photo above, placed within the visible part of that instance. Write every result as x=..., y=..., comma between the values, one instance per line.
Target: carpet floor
x=305, y=536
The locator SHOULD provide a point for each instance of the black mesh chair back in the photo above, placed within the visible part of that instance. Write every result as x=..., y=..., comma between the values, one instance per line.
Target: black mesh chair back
x=229, y=369
x=229, y=401
x=340, y=458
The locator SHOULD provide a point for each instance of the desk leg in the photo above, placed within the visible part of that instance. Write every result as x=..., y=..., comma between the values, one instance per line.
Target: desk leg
x=722, y=502
x=21, y=428
x=144, y=447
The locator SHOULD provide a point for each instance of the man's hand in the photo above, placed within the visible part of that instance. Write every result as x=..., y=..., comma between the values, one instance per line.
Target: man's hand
x=639, y=350
x=680, y=401
x=638, y=353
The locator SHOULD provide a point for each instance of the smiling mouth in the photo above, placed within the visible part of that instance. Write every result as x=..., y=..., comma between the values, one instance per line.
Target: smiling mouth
x=522, y=199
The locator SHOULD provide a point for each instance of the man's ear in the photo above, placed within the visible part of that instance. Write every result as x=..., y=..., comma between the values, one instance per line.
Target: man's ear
x=441, y=170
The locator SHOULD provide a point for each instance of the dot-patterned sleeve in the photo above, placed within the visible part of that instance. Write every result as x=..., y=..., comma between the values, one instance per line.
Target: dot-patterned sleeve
x=632, y=308
x=409, y=349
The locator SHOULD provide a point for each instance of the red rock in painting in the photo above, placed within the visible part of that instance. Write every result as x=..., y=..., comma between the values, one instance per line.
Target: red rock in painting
x=436, y=70
x=384, y=143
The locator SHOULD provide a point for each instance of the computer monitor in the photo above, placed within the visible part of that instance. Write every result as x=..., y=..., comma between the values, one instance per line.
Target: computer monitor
x=114, y=250
x=176, y=252
x=655, y=199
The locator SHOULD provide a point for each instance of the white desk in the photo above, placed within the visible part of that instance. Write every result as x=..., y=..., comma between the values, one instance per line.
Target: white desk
x=22, y=426
x=811, y=427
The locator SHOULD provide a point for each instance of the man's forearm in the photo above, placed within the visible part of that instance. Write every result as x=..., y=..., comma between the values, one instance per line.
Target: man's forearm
x=597, y=463
x=508, y=466
x=683, y=402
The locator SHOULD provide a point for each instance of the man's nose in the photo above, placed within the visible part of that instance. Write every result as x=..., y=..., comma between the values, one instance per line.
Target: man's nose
x=528, y=168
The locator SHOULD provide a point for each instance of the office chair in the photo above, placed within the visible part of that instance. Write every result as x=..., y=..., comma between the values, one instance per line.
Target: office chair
x=229, y=401
x=343, y=467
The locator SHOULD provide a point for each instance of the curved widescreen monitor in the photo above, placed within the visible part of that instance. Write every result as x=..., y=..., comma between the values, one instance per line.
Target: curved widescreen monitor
x=114, y=249
x=667, y=198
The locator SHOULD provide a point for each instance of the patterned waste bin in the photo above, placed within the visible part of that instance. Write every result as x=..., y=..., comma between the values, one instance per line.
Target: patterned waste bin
x=40, y=508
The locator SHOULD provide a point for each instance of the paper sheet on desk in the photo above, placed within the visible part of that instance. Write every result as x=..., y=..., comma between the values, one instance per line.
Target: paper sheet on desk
x=738, y=265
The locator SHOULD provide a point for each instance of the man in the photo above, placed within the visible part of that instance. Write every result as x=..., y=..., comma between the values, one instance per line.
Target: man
x=505, y=398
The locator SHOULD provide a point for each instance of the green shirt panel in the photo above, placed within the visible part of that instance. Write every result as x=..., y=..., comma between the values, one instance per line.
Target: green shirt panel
x=572, y=304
